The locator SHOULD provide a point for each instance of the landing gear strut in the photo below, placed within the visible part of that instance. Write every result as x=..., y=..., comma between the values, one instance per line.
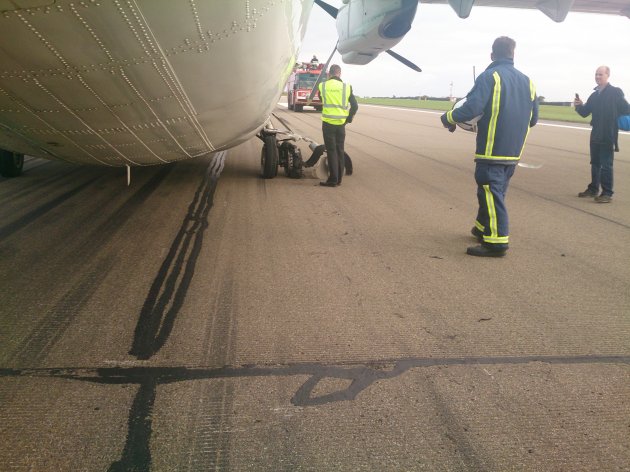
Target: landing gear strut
x=11, y=163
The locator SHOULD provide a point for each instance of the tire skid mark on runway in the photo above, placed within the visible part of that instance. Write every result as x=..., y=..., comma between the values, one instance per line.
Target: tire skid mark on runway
x=512, y=186
x=11, y=228
x=55, y=322
x=168, y=290
x=462, y=169
x=31, y=163
x=211, y=409
x=136, y=455
x=88, y=271
x=454, y=432
x=410, y=151
x=207, y=425
x=41, y=183
x=581, y=210
x=155, y=324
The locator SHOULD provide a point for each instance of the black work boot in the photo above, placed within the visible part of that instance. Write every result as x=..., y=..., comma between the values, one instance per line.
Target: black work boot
x=477, y=234
x=485, y=250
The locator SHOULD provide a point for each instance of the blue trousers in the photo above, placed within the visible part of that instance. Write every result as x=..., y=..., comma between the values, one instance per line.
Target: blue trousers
x=492, y=218
x=602, y=168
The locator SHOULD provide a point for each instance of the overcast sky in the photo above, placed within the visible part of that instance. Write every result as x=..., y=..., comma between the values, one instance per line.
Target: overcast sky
x=561, y=58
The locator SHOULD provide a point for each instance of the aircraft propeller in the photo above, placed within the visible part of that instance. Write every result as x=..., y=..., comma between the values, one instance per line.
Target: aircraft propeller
x=332, y=11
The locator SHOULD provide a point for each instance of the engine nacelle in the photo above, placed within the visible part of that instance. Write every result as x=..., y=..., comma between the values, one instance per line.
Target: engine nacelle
x=366, y=28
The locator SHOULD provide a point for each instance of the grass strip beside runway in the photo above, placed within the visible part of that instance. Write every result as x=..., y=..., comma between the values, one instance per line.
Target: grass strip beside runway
x=547, y=112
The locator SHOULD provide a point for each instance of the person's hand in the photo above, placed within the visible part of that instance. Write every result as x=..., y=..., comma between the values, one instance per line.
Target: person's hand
x=451, y=127
x=349, y=119
x=577, y=101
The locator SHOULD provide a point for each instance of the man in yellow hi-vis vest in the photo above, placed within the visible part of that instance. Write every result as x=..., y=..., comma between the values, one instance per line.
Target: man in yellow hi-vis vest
x=338, y=108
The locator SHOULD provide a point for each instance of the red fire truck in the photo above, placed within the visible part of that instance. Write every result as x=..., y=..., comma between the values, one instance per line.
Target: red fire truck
x=300, y=85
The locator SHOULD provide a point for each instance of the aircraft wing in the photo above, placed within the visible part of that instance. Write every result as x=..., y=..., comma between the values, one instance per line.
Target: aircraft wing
x=557, y=10
x=367, y=28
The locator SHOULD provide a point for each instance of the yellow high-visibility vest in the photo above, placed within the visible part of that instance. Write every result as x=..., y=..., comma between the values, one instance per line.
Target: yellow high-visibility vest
x=335, y=100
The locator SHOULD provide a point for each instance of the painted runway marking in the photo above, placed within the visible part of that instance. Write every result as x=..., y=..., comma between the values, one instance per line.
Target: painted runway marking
x=438, y=112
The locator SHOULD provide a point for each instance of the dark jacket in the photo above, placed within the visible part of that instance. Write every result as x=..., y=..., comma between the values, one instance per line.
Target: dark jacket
x=507, y=99
x=605, y=106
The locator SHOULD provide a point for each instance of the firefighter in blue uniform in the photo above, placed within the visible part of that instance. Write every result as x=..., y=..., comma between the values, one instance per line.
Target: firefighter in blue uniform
x=506, y=99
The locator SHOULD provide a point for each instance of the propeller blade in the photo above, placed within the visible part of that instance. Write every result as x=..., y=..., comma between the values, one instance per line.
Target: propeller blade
x=332, y=11
x=321, y=74
x=407, y=62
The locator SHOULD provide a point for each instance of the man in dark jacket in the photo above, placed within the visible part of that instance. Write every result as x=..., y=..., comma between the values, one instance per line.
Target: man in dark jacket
x=605, y=105
x=506, y=100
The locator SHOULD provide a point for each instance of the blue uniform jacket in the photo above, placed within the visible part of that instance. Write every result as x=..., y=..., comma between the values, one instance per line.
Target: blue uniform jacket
x=507, y=99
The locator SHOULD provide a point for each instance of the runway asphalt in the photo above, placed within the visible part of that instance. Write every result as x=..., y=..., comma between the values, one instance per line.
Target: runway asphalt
x=205, y=318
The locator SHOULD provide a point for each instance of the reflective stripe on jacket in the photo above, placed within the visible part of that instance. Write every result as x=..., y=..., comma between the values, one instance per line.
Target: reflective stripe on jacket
x=335, y=101
x=507, y=99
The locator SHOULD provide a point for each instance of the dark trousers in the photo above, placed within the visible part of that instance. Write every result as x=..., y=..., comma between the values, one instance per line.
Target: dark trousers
x=334, y=138
x=602, y=168
x=492, y=217
x=317, y=153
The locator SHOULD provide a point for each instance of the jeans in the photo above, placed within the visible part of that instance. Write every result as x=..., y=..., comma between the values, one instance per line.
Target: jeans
x=602, y=168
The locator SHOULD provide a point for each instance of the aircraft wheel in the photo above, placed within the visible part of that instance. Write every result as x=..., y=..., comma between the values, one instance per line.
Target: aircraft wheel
x=318, y=108
x=295, y=164
x=269, y=157
x=284, y=159
x=298, y=108
x=11, y=163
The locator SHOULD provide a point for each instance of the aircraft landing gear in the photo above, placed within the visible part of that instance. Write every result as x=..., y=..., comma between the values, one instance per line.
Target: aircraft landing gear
x=279, y=152
x=11, y=163
x=291, y=160
x=268, y=155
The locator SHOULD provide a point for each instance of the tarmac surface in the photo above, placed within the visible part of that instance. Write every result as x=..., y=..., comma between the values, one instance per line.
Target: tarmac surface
x=205, y=318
